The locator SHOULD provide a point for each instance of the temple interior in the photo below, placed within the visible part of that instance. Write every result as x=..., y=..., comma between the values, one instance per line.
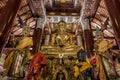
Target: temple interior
x=59, y=39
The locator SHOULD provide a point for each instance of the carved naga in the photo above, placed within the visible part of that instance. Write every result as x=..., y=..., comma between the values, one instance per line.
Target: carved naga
x=37, y=63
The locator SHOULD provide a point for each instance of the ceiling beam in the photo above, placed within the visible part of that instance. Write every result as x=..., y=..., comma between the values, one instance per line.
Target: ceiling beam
x=63, y=10
x=22, y=7
x=62, y=14
x=20, y=20
x=1, y=10
x=37, y=8
x=20, y=25
x=75, y=3
x=29, y=11
x=109, y=37
x=100, y=29
x=22, y=35
x=100, y=14
x=32, y=7
x=49, y=3
x=102, y=7
x=97, y=19
x=96, y=24
x=4, y=0
x=95, y=7
x=31, y=21
x=110, y=32
x=106, y=37
x=16, y=30
x=25, y=20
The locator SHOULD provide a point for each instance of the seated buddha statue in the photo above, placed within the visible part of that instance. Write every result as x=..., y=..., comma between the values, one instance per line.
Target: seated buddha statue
x=61, y=40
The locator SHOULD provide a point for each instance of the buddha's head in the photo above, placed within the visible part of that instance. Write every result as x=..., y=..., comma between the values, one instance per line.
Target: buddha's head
x=62, y=23
x=62, y=26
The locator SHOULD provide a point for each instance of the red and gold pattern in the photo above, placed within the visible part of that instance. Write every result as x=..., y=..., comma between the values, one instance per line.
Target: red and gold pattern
x=37, y=63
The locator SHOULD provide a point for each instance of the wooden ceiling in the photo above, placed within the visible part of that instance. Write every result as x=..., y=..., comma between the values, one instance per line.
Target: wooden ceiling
x=24, y=17
x=63, y=7
x=102, y=20
x=27, y=14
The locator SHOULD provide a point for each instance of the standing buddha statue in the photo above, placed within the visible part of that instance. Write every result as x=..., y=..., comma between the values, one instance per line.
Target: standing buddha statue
x=14, y=62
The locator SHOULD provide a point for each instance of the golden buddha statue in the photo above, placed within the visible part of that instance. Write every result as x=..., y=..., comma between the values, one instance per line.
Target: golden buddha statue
x=61, y=41
x=14, y=62
x=62, y=37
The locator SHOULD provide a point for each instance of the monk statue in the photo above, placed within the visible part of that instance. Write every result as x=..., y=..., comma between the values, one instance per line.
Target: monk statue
x=16, y=58
x=37, y=64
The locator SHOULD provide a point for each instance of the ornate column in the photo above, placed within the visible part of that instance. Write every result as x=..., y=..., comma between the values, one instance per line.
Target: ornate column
x=113, y=7
x=47, y=36
x=47, y=39
x=87, y=36
x=38, y=34
x=79, y=40
x=6, y=20
x=78, y=34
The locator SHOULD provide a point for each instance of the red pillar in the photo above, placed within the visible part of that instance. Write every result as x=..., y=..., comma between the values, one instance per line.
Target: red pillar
x=113, y=7
x=87, y=36
x=91, y=38
x=38, y=34
x=6, y=20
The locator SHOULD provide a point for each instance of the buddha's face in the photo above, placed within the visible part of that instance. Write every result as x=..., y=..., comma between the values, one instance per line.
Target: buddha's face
x=62, y=23
x=62, y=29
x=62, y=26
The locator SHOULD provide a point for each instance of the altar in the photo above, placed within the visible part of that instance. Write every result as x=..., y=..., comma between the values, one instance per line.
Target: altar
x=61, y=50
